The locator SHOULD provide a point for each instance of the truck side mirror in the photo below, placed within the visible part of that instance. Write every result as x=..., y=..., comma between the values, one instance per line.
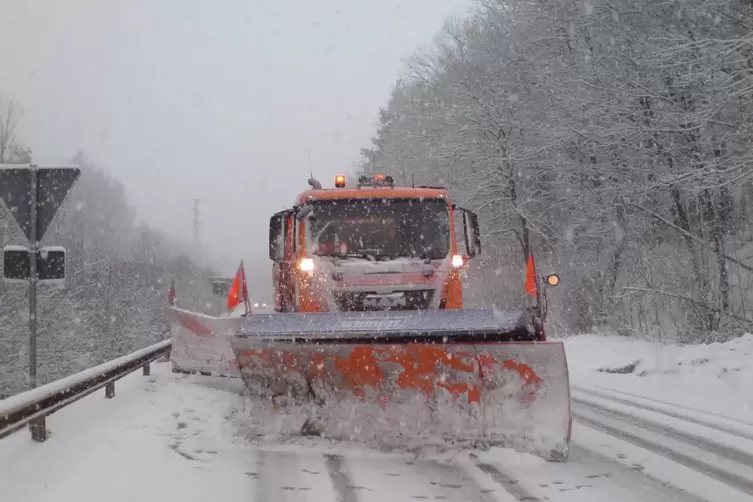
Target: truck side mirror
x=304, y=213
x=277, y=236
x=472, y=233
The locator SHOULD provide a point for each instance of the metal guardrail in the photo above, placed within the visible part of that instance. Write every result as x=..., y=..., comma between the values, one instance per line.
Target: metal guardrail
x=33, y=406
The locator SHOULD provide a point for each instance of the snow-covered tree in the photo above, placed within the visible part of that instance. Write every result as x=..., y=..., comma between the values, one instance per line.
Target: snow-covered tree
x=118, y=275
x=612, y=140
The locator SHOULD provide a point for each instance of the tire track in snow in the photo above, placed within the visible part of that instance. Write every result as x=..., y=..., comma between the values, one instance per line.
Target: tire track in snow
x=511, y=485
x=260, y=478
x=667, y=403
x=588, y=474
x=410, y=480
x=278, y=478
x=629, y=429
x=341, y=480
x=669, y=413
x=734, y=454
x=457, y=484
x=634, y=481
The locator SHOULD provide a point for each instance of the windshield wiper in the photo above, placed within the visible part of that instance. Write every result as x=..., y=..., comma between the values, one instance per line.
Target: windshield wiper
x=365, y=256
x=420, y=257
x=358, y=255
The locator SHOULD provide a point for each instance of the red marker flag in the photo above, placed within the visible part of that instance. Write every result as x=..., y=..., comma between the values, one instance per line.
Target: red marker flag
x=171, y=294
x=238, y=291
x=531, y=276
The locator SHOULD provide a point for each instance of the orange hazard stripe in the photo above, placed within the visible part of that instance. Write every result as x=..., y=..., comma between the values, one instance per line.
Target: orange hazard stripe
x=192, y=324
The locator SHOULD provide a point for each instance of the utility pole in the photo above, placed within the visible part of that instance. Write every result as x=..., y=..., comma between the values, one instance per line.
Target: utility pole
x=196, y=221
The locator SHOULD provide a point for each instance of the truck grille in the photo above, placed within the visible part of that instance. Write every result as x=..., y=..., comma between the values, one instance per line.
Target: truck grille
x=362, y=301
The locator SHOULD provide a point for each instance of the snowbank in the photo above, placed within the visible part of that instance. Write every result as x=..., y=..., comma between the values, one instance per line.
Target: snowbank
x=714, y=377
x=162, y=438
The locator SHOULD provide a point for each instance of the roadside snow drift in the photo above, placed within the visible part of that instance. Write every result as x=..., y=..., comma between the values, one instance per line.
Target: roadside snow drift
x=714, y=378
x=162, y=438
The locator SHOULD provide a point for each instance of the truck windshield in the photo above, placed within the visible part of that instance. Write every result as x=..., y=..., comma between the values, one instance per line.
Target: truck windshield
x=379, y=229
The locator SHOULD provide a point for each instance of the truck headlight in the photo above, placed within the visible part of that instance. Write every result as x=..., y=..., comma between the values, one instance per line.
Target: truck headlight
x=306, y=265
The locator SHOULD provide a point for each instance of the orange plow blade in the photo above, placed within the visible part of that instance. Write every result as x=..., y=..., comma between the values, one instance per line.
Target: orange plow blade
x=464, y=377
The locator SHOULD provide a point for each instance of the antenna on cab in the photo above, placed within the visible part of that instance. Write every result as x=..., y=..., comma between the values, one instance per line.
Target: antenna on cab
x=313, y=182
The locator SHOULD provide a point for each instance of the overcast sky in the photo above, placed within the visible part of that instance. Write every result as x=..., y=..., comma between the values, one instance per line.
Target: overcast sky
x=214, y=100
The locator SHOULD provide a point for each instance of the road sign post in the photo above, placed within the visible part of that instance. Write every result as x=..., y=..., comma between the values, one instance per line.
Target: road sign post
x=33, y=195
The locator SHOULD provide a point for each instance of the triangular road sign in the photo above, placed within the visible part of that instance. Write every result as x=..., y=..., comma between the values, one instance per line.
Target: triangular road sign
x=53, y=185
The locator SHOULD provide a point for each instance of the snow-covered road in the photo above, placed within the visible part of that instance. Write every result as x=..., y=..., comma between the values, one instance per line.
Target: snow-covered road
x=174, y=437
x=666, y=448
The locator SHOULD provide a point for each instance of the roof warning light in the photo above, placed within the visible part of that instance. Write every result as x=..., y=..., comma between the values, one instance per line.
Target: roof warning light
x=340, y=181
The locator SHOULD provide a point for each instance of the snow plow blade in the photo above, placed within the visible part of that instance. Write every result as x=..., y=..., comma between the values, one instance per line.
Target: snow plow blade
x=201, y=343
x=472, y=377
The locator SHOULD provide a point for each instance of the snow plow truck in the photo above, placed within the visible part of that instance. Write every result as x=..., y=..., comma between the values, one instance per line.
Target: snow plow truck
x=371, y=341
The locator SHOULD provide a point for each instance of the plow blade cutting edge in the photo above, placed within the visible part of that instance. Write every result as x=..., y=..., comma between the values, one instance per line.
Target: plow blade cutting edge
x=468, y=377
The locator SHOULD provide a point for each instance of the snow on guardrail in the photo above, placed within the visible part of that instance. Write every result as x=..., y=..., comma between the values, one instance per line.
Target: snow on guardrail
x=35, y=404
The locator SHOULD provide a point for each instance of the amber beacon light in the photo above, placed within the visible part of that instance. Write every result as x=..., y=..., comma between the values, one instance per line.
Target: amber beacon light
x=340, y=181
x=552, y=279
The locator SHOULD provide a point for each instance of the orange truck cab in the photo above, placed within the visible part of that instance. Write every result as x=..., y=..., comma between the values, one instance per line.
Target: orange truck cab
x=377, y=246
